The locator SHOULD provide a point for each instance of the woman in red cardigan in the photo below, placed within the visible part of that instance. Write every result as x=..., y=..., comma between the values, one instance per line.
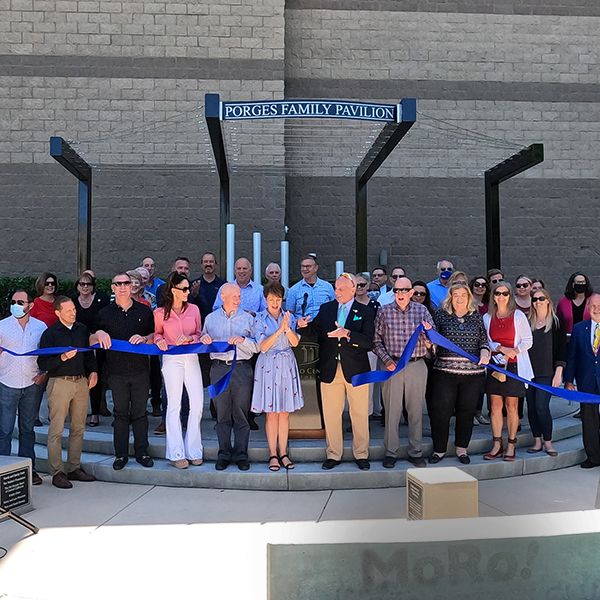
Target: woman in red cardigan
x=572, y=307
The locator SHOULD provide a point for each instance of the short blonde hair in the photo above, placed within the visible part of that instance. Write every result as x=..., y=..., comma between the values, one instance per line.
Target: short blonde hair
x=447, y=302
x=133, y=274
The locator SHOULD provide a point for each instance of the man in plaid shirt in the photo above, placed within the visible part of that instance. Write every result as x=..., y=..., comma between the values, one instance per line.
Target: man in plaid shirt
x=394, y=325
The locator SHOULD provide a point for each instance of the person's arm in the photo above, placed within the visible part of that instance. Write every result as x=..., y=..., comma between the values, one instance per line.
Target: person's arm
x=52, y=361
x=487, y=321
x=378, y=343
x=249, y=344
x=290, y=301
x=524, y=333
x=572, y=355
x=89, y=358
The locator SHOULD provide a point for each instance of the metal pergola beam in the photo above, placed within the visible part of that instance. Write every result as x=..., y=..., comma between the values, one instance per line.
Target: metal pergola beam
x=382, y=147
x=517, y=163
x=66, y=156
x=212, y=111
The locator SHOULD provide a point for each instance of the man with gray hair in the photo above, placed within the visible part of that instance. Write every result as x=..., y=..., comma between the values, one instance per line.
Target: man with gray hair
x=438, y=288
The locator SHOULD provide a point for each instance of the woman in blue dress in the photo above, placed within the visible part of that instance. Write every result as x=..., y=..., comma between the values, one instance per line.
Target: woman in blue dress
x=277, y=388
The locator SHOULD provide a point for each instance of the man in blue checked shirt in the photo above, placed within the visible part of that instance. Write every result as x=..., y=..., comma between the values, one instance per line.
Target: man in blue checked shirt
x=305, y=297
x=252, y=297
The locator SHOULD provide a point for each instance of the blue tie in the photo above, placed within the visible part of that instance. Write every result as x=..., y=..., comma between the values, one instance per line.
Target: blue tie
x=341, y=317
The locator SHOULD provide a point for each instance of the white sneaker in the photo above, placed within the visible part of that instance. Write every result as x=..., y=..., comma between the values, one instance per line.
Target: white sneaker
x=481, y=420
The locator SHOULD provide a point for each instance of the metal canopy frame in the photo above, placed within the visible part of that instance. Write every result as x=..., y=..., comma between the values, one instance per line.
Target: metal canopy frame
x=66, y=156
x=389, y=137
x=521, y=161
x=381, y=148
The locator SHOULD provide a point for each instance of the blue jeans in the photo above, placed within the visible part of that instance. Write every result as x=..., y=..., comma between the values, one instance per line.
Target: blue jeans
x=23, y=401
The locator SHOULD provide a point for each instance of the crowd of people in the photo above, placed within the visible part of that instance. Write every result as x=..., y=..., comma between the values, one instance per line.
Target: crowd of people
x=361, y=323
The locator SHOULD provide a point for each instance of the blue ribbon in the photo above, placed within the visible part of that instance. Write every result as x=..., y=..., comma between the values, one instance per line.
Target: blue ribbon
x=440, y=340
x=150, y=350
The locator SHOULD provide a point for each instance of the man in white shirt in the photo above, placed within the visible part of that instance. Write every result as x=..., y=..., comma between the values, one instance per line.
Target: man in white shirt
x=20, y=378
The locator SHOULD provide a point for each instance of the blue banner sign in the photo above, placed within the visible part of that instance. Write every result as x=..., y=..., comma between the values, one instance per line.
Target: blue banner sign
x=311, y=109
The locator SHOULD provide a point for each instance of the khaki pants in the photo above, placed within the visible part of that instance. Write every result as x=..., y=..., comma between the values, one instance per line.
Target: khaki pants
x=66, y=398
x=334, y=398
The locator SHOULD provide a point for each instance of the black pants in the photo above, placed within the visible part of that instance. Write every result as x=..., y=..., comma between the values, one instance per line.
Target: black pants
x=232, y=409
x=155, y=382
x=98, y=392
x=538, y=410
x=453, y=394
x=590, y=422
x=130, y=396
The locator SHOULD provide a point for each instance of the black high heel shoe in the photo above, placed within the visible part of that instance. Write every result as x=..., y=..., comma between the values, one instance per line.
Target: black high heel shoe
x=290, y=465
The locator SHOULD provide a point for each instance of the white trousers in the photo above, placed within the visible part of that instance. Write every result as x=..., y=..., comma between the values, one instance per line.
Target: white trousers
x=177, y=371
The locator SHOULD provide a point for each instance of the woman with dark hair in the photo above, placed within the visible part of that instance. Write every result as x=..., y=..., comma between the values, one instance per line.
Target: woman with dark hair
x=277, y=388
x=422, y=296
x=572, y=307
x=176, y=323
x=88, y=304
x=456, y=381
x=537, y=285
x=510, y=337
x=46, y=286
x=481, y=293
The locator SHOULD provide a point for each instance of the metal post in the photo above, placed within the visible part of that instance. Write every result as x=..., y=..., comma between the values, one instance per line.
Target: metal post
x=256, y=257
x=230, y=250
x=285, y=264
x=339, y=268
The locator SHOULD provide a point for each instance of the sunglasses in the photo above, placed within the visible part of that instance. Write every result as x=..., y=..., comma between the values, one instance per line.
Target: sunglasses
x=121, y=283
x=501, y=293
x=401, y=290
x=447, y=269
x=19, y=302
x=361, y=285
x=479, y=284
x=84, y=284
x=420, y=294
x=185, y=289
x=397, y=276
x=540, y=299
x=50, y=284
x=495, y=281
x=522, y=285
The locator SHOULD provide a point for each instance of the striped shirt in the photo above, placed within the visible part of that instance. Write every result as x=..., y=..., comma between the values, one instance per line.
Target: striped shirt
x=393, y=328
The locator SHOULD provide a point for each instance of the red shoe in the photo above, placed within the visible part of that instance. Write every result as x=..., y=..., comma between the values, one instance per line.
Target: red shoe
x=492, y=455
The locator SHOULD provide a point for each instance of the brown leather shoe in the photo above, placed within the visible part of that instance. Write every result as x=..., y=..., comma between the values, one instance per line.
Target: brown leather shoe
x=60, y=481
x=80, y=475
x=35, y=479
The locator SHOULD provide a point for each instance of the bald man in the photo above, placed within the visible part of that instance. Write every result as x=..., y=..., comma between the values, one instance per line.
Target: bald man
x=252, y=298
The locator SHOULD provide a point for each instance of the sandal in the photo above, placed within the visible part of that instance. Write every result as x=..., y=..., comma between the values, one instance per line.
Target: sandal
x=511, y=457
x=273, y=467
x=94, y=421
x=287, y=466
x=492, y=455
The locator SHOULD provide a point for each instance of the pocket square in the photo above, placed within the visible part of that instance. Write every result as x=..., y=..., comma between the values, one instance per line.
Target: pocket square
x=357, y=318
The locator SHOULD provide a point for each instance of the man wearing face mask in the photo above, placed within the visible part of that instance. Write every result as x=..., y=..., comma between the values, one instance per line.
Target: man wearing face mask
x=20, y=378
x=438, y=288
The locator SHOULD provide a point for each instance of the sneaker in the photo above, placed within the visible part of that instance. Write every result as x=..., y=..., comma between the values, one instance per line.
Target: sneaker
x=481, y=420
x=161, y=429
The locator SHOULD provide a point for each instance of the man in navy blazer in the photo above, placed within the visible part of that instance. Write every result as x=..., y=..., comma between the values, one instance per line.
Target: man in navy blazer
x=583, y=367
x=345, y=328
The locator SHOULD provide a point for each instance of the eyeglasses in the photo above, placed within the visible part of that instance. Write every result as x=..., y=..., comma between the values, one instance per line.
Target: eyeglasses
x=84, y=284
x=501, y=293
x=185, y=290
x=50, y=284
x=420, y=294
x=480, y=284
x=540, y=299
x=121, y=283
x=401, y=290
x=361, y=285
x=397, y=276
x=522, y=285
x=19, y=302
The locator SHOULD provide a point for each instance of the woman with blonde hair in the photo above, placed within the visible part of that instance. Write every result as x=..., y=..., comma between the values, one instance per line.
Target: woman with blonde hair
x=457, y=382
x=510, y=337
x=523, y=286
x=137, y=287
x=547, y=360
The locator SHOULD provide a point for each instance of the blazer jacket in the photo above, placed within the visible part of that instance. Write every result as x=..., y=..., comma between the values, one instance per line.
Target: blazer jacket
x=354, y=359
x=583, y=367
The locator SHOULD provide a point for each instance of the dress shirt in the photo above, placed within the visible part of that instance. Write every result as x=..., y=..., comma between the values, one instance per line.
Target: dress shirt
x=122, y=324
x=43, y=310
x=393, y=328
x=347, y=306
x=17, y=372
x=186, y=323
x=220, y=327
x=317, y=294
x=77, y=336
x=438, y=292
x=252, y=295
x=593, y=332
x=386, y=298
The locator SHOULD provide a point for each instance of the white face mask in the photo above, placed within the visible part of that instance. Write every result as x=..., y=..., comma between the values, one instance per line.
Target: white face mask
x=17, y=311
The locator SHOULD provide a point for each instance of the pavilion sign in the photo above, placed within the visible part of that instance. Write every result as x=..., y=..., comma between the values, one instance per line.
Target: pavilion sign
x=302, y=109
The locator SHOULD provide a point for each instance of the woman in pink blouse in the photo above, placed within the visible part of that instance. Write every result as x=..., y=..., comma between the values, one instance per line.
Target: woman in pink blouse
x=176, y=323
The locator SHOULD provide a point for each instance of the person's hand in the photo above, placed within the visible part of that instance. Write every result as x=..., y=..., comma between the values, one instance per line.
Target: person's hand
x=183, y=339
x=206, y=339
x=104, y=339
x=195, y=288
x=340, y=332
x=162, y=345
x=391, y=366
x=65, y=356
x=484, y=358
x=427, y=326
x=92, y=380
x=570, y=387
x=302, y=322
x=508, y=352
x=556, y=380
x=137, y=339
x=40, y=378
x=285, y=322
x=236, y=340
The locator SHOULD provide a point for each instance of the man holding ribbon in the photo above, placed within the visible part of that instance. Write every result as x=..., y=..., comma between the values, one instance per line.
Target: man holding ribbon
x=394, y=325
x=583, y=367
x=20, y=378
x=128, y=373
x=71, y=375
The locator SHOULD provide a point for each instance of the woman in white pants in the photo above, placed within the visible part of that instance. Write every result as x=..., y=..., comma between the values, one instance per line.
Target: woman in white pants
x=175, y=324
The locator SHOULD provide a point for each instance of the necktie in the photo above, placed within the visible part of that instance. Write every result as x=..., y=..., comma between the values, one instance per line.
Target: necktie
x=341, y=315
x=596, y=343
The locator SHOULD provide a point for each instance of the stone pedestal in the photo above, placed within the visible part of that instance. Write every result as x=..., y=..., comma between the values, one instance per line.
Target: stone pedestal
x=15, y=484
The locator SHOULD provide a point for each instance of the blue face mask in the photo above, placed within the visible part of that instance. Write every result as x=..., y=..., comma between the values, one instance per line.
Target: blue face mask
x=373, y=294
x=445, y=274
x=17, y=311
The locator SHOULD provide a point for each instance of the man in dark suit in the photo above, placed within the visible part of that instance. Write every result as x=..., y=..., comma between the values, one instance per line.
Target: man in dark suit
x=345, y=329
x=583, y=366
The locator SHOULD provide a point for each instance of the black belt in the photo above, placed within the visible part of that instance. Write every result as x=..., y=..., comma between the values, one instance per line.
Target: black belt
x=230, y=362
x=412, y=359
